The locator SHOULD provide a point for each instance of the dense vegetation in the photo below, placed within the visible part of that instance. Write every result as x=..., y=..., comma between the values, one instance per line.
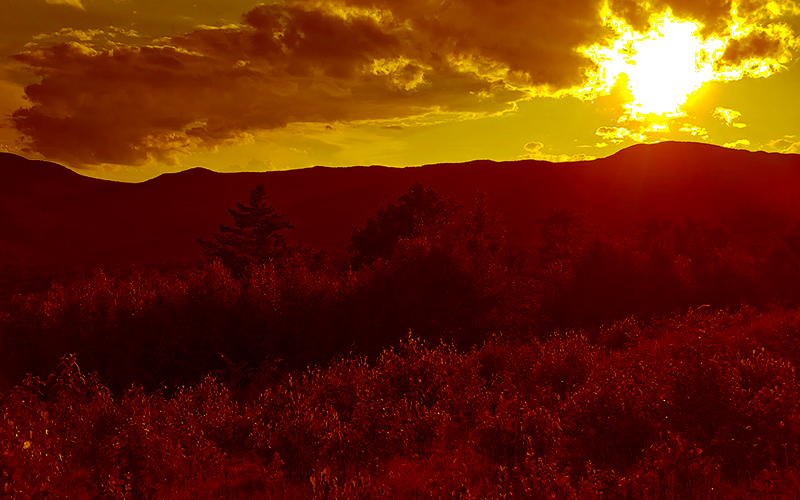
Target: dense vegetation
x=658, y=365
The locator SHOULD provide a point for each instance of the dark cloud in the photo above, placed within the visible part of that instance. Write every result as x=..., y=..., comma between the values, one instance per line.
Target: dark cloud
x=285, y=63
x=772, y=44
x=535, y=39
x=298, y=41
x=713, y=14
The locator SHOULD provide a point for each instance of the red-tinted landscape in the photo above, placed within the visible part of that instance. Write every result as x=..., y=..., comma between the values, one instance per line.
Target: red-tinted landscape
x=624, y=328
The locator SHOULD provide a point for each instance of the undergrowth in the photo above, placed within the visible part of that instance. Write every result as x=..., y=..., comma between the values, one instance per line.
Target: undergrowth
x=702, y=405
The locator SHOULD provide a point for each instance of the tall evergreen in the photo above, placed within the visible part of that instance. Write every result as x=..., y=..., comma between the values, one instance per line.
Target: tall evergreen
x=256, y=237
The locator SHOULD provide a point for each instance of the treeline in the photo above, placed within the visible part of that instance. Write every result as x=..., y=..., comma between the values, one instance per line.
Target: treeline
x=441, y=277
x=666, y=266
x=422, y=264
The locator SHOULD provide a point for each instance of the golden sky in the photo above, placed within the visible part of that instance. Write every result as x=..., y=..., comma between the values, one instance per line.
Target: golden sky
x=129, y=89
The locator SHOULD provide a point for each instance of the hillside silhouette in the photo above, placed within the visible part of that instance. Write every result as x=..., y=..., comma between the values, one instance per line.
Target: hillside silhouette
x=50, y=215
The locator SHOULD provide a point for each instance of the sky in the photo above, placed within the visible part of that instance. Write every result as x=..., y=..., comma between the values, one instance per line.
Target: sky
x=130, y=89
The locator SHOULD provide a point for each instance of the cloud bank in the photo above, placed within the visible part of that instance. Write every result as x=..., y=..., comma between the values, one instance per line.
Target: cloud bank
x=105, y=98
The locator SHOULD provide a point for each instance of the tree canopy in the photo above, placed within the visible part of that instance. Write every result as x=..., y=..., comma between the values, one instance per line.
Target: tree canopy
x=416, y=212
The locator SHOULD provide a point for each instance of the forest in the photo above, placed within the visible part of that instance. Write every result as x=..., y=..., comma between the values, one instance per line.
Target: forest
x=438, y=361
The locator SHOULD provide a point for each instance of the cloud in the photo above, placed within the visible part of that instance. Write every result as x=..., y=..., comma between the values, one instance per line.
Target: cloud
x=728, y=117
x=534, y=148
x=86, y=35
x=120, y=103
x=762, y=50
x=738, y=144
x=645, y=131
x=616, y=135
x=715, y=15
x=535, y=151
x=694, y=130
x=531, y=42
x=787, y=144
x=72, y=3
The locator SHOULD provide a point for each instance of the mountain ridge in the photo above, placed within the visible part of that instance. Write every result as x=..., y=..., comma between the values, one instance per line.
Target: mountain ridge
x=55, y=216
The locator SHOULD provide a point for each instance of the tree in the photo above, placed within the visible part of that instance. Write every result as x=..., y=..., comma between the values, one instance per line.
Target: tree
x=564, y=235
x=256, y=238
x=417, y=211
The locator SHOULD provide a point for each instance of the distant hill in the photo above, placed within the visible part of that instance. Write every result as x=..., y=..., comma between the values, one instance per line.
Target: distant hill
x=50, y=215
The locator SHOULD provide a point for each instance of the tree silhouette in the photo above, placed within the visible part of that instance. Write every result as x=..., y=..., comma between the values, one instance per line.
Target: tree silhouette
x=417, y=211
x=255, y=239
x=564, y=234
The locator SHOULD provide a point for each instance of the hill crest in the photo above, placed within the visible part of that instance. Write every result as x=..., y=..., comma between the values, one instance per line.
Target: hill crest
x=52, y=215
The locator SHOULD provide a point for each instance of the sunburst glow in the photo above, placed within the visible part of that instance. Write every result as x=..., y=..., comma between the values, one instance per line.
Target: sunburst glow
x=663, y=66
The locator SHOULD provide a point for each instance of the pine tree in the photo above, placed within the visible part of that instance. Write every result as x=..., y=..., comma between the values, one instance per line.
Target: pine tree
x=256, y=239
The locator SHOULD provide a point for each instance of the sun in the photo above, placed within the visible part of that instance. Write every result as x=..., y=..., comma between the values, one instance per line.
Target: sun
x=661, y=68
